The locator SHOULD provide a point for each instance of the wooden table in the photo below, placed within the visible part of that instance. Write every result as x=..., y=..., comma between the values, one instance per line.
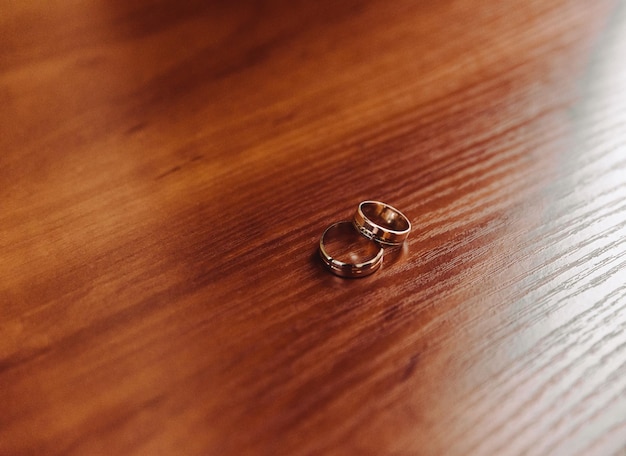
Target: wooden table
x=167, y=168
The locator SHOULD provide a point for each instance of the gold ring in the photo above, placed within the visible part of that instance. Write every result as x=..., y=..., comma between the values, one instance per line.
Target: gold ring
x=381, y=222
x=365, y=256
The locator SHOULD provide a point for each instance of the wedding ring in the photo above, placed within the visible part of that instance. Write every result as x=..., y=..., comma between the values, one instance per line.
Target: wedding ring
x=381, y=222
x=363, y=256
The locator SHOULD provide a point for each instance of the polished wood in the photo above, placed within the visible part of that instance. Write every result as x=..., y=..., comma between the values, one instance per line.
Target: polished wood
x=167, y=168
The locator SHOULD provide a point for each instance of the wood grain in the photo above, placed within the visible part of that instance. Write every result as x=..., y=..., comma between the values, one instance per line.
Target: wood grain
x=166, y=170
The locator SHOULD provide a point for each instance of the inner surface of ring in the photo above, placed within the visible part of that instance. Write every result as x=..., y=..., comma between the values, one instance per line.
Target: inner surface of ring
x=385, y=216
x=344, y=243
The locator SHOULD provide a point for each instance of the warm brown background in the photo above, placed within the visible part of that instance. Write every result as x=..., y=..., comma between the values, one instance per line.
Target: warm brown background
x=167, y=167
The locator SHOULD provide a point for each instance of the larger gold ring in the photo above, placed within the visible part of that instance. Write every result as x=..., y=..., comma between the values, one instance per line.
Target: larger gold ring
x=370, y=264
x=381, y=222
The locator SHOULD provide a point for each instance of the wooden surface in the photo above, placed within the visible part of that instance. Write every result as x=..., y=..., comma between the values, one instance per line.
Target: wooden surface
x=166, y=170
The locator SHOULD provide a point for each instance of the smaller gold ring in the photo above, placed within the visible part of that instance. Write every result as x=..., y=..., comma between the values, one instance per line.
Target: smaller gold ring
x=381, y=222
x=345, y=269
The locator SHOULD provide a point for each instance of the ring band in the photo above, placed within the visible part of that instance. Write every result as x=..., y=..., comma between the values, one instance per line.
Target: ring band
x=381, y=222
x=343, y=269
